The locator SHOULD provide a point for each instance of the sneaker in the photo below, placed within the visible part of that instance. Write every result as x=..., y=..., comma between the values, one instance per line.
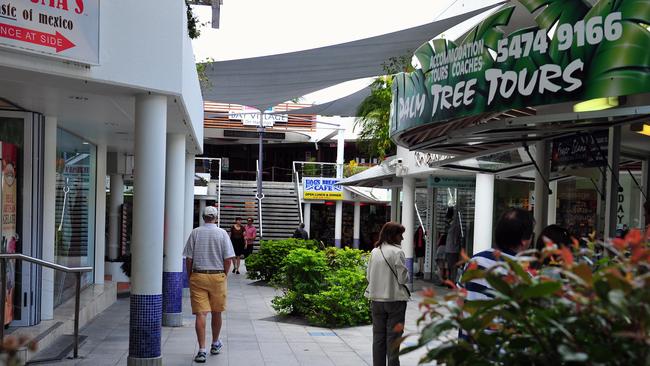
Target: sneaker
x=216, y=348
x=237, y=272
x=200, y=357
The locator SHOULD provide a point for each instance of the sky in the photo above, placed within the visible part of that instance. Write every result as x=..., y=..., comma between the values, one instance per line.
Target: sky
x=251, y=28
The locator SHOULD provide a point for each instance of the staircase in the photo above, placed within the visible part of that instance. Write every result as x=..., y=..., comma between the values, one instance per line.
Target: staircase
x=280, y=212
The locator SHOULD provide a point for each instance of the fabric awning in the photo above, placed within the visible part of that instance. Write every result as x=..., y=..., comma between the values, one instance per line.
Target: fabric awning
x=264, y=82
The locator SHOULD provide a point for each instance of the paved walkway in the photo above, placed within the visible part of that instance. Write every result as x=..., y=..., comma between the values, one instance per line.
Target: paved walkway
x=252, y=335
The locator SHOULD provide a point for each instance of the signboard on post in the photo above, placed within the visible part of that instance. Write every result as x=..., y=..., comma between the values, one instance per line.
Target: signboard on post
x=65, y=29
x=321, y=189
x=580, y=151
x=573, y=52
x=251, y=117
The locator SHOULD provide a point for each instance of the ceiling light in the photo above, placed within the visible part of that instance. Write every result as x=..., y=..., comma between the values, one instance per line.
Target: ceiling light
x=86, y=143
x=597, y=104
x=641, y=128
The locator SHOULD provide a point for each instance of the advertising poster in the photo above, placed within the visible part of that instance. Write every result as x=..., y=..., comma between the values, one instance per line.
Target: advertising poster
x=9, y=235
x=322, y=189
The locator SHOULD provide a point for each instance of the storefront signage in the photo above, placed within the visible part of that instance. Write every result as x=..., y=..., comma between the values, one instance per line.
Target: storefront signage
x=574, y=52
x=452, y=182
x=251, y=117
x=579, y=151
x=430, y=159
x=67, y=29
x=321, y=189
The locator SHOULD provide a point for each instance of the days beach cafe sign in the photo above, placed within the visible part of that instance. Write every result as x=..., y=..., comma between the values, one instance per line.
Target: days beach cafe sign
x=573, y=52
x=65, y=29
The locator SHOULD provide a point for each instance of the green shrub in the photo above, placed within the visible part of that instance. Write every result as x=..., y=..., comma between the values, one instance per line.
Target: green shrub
x=264, y=264
x=343, y=302
x=327, y=287
x=591, y=309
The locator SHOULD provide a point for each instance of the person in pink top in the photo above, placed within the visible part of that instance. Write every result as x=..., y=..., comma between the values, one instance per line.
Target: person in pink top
x=250, y=233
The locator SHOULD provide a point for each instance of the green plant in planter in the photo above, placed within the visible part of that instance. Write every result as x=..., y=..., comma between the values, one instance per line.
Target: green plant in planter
x=303, y=273
x=264, y=264
x=593, y=311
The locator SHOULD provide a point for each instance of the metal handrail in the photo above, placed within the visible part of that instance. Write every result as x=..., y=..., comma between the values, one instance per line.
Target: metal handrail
x=76, y=270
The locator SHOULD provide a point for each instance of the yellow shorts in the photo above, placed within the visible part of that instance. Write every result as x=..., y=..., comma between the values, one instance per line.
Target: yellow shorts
x=208, y=292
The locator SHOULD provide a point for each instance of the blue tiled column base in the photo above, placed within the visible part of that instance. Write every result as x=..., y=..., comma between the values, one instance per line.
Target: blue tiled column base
x=145, y=327
x=356, y=243
x=186, y=279
x=173, y=299
x=337, y=243
x=409, y=267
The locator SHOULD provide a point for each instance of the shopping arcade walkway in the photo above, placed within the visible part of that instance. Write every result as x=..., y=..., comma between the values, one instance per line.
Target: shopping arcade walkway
x=251, y=333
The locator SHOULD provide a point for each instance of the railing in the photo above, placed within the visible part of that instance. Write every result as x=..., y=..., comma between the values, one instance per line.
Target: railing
x=76, y=270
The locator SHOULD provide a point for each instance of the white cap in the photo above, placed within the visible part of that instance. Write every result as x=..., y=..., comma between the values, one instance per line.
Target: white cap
x=210, y=211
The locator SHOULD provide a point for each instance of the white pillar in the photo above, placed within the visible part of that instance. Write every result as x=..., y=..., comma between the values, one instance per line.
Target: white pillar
x=100, y=214
x=552, y=204
x=611, y=200
x=541, y=188
x=356, y=237
x=201, y=209
x=148, y=219
x=483, y=212
x=408, y=221
x=49, y=221
x=115, y=206
x=173, y=248
x=394, y=204
x=189, y=196
x=340, y=160
x=306, y=216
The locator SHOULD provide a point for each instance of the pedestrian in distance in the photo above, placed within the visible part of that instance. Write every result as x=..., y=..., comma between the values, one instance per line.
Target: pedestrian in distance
x=250, y=233
x=238, y=242
x=209, y=254
x=300, y=232
x=387, y=278
x=453, y=244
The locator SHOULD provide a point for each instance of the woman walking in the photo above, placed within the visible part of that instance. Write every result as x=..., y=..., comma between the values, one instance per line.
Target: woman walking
x=387, y=277
x=237, y=239
x=250, y=233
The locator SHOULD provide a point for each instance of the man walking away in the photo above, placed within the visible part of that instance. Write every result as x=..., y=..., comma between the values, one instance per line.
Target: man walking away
x=301, y=233
x=209, y=253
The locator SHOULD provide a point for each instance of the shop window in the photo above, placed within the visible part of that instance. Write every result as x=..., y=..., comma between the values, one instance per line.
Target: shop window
x=75, y=211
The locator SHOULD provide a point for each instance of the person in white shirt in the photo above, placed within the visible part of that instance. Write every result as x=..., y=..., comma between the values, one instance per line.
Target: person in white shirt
x=387, y=277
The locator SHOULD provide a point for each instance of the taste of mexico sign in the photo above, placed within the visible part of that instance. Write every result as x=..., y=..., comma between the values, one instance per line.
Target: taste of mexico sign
x=572, y=51
x=321, y=189
x=65, y=29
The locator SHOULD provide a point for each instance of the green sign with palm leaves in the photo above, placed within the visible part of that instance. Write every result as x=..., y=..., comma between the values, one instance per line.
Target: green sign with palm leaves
x=574, y=51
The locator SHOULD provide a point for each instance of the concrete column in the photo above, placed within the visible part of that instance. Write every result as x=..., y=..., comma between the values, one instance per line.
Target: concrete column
x=356, y=235
x=115, y=206
x=100, y=214
x=306, y=216
x=188, y=223
x=408, y=221
x=541, y=188
x=429, y=225
x=173, y=248
x=611, y=200
x=201, y=209
x=394, y=204
x=49, y=220
x=148, y=220
x=340, y=160
x=552, y=204
x=483, y=212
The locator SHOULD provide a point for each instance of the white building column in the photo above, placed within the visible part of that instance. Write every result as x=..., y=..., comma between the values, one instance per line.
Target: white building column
x=188, y=223
x=483, y=212
x=541, y=188
x=552, y=204
x=49, y=213
x=408, y=221
x=174, y=235
x=394, y=204
x=306, y=216
x=100, y=214
x=611, y=200
x=356, y=235
x=115, y=205
x=340, y=160
x=148, y=219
